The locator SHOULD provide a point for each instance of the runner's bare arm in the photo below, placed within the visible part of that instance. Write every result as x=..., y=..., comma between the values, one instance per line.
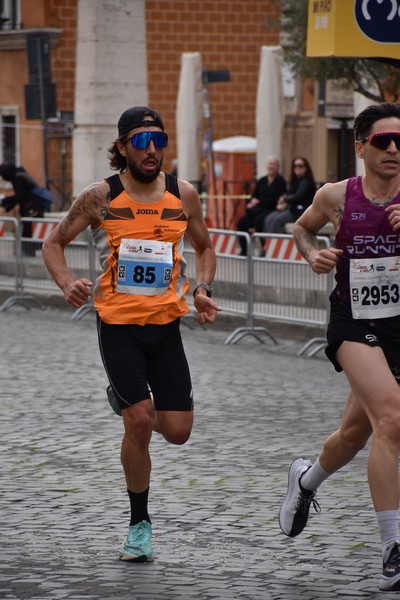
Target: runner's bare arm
x=89, y=209
x=199, y=238
x=327, y=207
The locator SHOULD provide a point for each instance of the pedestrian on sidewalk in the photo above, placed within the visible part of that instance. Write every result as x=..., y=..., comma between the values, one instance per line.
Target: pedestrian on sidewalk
x=24, y=198
x=363, y=333
x=139, y=218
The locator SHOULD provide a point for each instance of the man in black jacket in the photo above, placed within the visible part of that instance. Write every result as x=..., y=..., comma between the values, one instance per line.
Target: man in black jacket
x=265, y=197
x=30, y=205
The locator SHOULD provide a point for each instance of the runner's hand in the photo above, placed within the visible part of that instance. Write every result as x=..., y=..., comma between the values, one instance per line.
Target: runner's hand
x=77, y=292
x=394, y=216
x=207, y=309
x=323, y=261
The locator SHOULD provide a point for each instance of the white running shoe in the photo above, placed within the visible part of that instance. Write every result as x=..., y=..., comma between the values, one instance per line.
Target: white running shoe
x=293, y=514
x=390, y=580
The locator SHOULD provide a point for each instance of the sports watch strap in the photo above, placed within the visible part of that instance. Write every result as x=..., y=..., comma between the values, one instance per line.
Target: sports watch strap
x=206, y=287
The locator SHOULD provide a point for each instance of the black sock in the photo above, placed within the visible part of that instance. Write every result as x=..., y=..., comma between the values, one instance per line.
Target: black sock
x=139, y=507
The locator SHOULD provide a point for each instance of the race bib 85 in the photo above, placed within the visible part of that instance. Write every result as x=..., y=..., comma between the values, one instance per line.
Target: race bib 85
x=144, y=267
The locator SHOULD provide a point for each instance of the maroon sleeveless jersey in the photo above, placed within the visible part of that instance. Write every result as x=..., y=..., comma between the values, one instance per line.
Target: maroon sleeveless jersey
x=364, y=233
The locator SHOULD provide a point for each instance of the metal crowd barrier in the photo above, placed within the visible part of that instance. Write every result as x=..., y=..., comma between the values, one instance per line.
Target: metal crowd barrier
x=234, y=282
x=10, y=262
x=273, y=282
x=277, y=285
x=30, y=272
x=286, y=288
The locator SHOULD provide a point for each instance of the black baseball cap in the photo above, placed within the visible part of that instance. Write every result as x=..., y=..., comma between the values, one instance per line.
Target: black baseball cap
x=136, y=117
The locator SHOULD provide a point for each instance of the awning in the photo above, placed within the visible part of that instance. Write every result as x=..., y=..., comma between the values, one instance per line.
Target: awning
x=236, y=144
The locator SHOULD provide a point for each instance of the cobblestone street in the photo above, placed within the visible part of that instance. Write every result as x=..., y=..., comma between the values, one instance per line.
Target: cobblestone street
x=214, y=502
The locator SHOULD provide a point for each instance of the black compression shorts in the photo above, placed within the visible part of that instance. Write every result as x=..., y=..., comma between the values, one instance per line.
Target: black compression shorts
x=140, y=359
x=377, y=332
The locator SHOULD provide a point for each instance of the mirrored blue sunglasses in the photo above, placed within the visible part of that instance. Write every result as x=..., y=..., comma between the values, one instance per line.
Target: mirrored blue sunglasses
x=142, y=140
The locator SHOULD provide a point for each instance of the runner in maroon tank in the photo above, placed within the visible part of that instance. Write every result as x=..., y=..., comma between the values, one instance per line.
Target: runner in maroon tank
x=364, y=328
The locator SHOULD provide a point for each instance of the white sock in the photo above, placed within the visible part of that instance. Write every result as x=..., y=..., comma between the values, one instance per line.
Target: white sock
x=388, y=524
x=312, y=479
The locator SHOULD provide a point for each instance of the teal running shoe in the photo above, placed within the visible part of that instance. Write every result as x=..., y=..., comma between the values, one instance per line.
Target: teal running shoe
x=137, y=546
x=113, y=401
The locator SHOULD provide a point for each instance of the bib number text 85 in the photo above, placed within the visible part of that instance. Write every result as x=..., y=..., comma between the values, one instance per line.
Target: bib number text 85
x=144, y=274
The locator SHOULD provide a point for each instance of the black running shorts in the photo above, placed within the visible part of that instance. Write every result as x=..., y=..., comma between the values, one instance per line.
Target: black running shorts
x=378, y=332
x=140, y=359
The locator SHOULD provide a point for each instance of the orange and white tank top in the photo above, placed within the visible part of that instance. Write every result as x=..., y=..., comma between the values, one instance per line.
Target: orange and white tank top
x=141, y=253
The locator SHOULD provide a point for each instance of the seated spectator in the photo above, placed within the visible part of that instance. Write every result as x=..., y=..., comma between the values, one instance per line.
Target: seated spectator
x=265, y=197
x=299, y=196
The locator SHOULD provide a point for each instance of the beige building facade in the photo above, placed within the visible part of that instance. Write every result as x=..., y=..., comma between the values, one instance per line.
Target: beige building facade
x=107, y=55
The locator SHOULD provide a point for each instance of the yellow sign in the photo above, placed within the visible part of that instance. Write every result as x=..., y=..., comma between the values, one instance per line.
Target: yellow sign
x=369, y=28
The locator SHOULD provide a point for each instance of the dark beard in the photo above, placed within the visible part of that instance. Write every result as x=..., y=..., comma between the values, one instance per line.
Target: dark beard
x=143, y=177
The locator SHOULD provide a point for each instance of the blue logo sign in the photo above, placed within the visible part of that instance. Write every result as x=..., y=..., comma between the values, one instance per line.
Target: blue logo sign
x=379, y=20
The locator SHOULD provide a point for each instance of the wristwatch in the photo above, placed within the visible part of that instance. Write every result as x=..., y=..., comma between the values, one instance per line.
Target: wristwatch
x=206, y=287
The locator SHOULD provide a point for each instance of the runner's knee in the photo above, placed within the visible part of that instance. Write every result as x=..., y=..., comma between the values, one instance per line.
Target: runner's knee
x=138, y=425
x=176, y=432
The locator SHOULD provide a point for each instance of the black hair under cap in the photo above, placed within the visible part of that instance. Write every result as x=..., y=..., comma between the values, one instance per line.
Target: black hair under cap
x=135, y=117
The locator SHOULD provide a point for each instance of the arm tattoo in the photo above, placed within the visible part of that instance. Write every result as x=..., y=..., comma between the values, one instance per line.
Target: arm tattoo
x=338, y=214
x=306, y=243
x=91, y=202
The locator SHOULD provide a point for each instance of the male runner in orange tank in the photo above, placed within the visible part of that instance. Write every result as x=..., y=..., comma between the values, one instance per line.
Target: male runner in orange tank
x=139, y=218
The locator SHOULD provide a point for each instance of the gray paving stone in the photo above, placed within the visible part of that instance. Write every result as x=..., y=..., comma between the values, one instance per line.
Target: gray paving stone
x=214, y=501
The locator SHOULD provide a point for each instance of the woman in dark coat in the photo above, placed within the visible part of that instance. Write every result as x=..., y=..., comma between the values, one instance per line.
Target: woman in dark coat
x=299, y=196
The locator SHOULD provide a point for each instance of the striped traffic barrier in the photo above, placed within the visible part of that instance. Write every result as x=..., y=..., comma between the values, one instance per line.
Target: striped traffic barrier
x=223, y=243
x=281, y=249
x=40, y=231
